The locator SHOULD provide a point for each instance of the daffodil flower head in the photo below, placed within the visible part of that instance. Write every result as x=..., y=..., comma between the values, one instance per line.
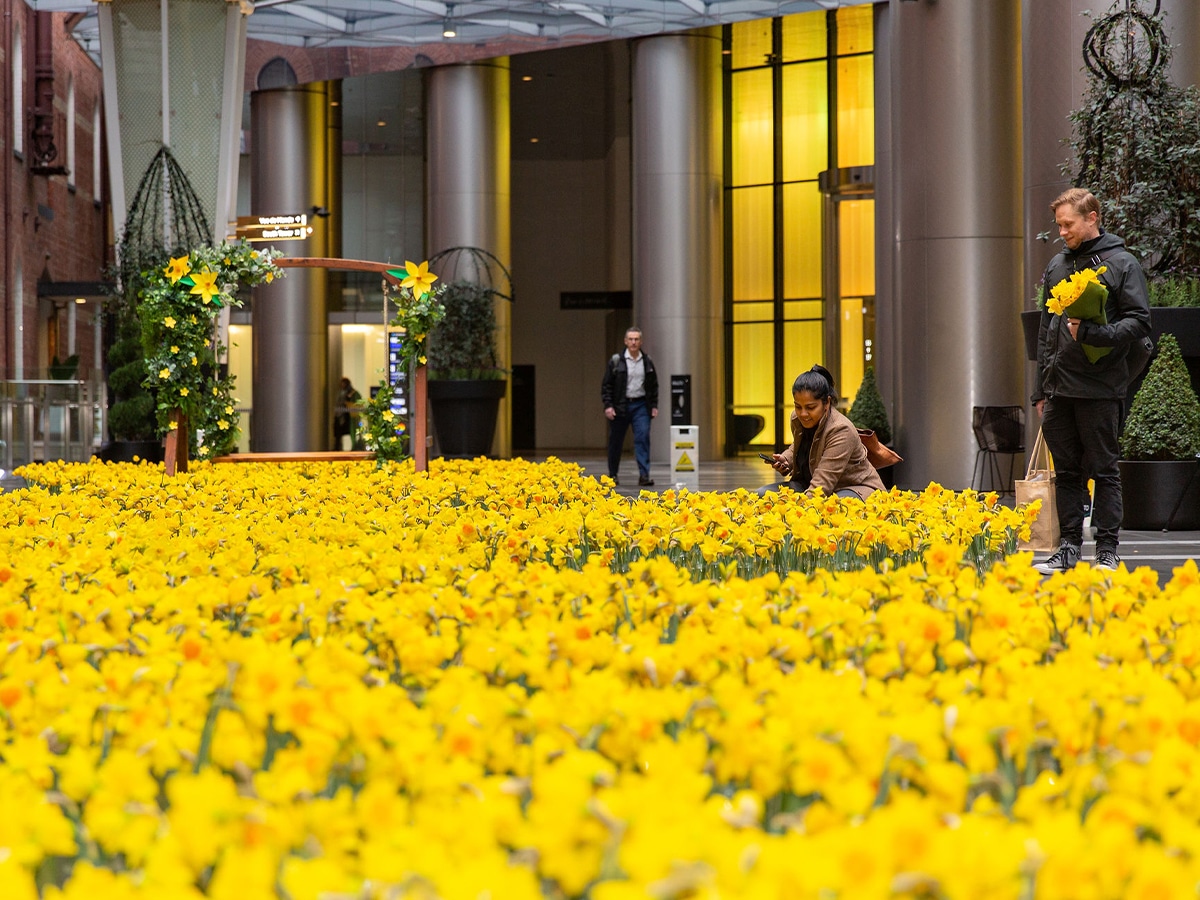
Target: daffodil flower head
x=177, y=268
x=419, y=279
x=1071, y=288
x=169, y=322
x=164, y=373
x=205, y=284
x=183, y=392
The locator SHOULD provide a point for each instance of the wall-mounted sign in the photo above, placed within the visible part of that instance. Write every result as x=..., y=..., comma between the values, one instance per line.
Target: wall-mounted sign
x=273, y=228
x=595, y=300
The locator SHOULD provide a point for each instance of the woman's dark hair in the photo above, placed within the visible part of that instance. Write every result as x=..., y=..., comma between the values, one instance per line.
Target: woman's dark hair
x=816, y=381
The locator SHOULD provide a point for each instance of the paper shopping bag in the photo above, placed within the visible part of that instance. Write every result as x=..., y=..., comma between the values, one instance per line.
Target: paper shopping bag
x=1038, y=484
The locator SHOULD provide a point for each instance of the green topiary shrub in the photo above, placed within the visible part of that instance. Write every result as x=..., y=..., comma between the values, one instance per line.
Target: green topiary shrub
x=1164, y=422
x=131, y=416
x=463, y=345
x=868, y=411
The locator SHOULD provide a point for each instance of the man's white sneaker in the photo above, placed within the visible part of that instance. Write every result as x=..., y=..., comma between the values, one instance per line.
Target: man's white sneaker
x=1061, y=560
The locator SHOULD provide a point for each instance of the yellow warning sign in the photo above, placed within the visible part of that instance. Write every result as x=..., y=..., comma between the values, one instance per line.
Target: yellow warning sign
x=684, y=445
x=684, y=464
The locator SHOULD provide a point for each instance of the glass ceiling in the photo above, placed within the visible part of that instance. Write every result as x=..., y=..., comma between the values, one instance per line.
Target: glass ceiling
x=536, y=24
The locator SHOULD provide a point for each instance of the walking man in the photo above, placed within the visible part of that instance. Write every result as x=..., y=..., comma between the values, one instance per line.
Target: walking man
x=1081, y=400
x=630, y=395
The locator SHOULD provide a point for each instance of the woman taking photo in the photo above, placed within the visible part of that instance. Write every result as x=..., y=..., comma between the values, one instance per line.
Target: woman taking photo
x=826, y=451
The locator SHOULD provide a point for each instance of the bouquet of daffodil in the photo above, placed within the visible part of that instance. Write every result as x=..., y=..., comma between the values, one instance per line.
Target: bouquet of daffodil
x=1082, y=295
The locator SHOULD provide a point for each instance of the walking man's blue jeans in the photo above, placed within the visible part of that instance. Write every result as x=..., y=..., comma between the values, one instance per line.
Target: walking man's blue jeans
x=636, y=414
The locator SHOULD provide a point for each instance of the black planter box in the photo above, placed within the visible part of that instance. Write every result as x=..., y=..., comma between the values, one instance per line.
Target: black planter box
x=1152, y=491
x=464, y=415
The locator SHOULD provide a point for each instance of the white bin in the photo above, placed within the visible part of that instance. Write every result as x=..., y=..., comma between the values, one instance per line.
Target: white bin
x=685, y=456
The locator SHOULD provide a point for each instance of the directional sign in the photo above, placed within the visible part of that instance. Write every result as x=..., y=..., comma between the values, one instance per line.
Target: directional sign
x=273, y=228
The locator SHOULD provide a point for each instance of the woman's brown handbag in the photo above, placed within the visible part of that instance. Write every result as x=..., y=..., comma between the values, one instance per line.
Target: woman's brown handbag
x=879, y=454
x=1038, y=484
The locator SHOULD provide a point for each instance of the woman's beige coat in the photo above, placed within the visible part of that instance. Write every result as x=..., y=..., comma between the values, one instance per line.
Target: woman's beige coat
x=838, y=459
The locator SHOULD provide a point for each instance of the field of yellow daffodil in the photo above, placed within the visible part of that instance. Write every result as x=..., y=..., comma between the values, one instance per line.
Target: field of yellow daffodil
x=502, y=680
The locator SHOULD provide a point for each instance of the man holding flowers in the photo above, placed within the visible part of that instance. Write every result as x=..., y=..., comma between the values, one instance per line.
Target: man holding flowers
x=1096, y=309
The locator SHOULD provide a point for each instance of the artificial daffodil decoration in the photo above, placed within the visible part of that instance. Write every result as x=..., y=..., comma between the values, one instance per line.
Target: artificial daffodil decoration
x=178, y=309
x=418, y=309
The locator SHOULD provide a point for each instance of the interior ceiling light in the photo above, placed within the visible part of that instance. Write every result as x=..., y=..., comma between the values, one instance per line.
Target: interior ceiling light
x=448, y=24
x=527, y=78
x=381, y=123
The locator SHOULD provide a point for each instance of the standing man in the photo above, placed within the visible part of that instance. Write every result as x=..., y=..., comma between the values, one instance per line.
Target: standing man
x=1081, y=401
x=630, y=395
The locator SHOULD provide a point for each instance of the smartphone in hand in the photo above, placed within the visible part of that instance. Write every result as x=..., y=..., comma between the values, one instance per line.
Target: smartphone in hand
x=767, y=458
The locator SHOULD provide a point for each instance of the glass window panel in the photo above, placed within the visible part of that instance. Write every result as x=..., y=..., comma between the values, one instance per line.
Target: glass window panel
x=753, y=348
x=751, y=43
x=853, y=348
x=804, y=36
x=802, y=346
x=754, y=312
x=767, y=435
x=753, y=127
x=753, y=240
x=801, y=240
x=805, y=117
x=856, y=111
x=855, y=29
x=856, y=270
x=804, y=309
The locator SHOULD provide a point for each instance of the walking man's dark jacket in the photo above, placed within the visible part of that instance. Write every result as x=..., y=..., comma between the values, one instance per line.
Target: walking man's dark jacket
x=612, y=388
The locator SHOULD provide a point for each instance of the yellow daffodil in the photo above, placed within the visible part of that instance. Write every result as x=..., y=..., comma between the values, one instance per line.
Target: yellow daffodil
x=222, y=424
x=174, y=348
x=164, y=373
x=183, y=392
x=169, y=322
x=418, y=279
x=173, y=425
x=177, y=268
x=1071, y=288
x=205, y=284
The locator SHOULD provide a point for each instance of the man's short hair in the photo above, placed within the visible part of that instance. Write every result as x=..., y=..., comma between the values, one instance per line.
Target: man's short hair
x=1082, y=201
x=631, y=329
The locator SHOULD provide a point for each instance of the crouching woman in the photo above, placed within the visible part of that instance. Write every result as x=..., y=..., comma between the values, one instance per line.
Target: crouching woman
x=826, y=451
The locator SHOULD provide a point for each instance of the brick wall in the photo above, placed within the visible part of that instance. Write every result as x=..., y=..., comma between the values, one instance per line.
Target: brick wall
x=56, y=227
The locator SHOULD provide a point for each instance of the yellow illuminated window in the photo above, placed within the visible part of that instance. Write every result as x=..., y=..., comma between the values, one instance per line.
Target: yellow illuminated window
x=754, y=312
x=804, y=309
x=801, y=240
x=804, y=37
x=753, y=127
x=753, y=242
x=855, y=29
x=805, y=121
x=754, y=349
x=856, y=111
x=856, y=270
x=852, y=348
x=751, y=43
x=803, y=345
